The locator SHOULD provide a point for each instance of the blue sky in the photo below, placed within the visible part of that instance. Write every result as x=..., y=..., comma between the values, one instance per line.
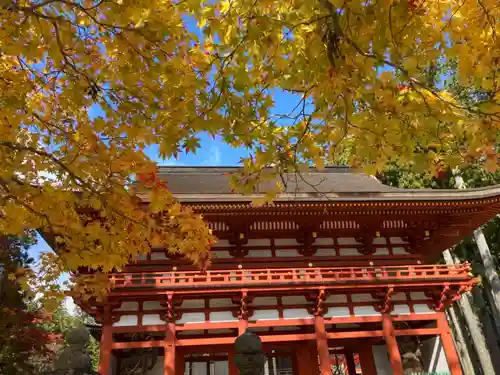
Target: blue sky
x=212, y=152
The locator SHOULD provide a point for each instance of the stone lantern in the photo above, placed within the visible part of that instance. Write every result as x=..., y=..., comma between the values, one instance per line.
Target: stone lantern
x=249, y=358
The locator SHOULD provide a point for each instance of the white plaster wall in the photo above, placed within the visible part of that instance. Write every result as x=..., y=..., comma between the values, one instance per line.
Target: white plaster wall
x=221, y=254
x=222, y=316
x=265, y=315
x=286, y=242
x=399, y=251
x=348, y=251
x=336, y=298
x=398, y=297
x=128, y=306
x=324, y=241
x=381, y=359
x=296, y=314
x=220, y=302
x=418, y=296
x=287, y=253
x=401, y=310
x=259, y=242
x=191, y=317
x=337, y=312
x=365, y=297
x=379, y=241
x=365, y=311
x=422, y=309
x=152, y=305
x=397, y=240
x=264, y=301
x=293, y=300
x=259, y=254
x=192, y=304
x=150, y=319
x=325, y=252
x=433, y=355
x=126, y=320
x=221, y=243
x=347, y=241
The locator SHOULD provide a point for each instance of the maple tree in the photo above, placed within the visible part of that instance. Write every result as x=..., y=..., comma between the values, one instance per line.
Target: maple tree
x=21, y=340
x=86, y=86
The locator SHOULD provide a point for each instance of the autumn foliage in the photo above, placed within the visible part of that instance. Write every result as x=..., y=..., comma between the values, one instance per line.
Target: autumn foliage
x=86, y=86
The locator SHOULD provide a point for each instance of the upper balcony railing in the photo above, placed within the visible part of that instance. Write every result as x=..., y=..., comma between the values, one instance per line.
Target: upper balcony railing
x=414, y=274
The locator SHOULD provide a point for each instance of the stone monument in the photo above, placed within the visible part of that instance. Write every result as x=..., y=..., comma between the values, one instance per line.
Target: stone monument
x=249, y=358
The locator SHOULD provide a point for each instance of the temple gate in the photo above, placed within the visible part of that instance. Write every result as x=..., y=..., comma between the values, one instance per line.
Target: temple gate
x=338, y=275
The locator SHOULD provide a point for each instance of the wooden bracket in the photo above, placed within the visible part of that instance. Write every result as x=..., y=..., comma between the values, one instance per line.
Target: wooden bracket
x=318, y=309
x=384, y=304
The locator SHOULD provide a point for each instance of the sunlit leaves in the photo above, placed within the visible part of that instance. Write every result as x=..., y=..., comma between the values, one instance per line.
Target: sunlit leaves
x=86, y=86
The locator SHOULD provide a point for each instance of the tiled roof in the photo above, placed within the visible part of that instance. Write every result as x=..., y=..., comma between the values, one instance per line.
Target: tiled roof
x=212, y=184
x=216, y=180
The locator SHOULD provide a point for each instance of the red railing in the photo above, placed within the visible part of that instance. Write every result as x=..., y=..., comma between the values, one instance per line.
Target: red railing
x=286, y=276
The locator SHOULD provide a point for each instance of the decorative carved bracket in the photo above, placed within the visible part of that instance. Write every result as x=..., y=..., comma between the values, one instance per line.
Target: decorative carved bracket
x=444, y=297
x=243, y=311
x=171, y=315
x=318, y=298
x=383, y=304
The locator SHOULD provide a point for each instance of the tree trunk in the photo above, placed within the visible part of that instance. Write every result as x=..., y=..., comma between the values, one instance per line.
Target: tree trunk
x=491, y=275
x=459, y=339
x=475, y=328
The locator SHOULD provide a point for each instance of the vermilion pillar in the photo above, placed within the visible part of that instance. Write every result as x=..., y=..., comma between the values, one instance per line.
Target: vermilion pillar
x=322, y=344
x=179, y=363
x=242, y=326
x=303, y=359
x=230, y=362
x=169, y=359
x=448, y=345
x=366, y=360
x=105, y=350
x=392, y=345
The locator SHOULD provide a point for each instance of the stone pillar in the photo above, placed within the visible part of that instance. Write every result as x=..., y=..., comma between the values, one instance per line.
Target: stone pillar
x=448, y=345
x=392, y=345
x=322, y=345
x=169, y=359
